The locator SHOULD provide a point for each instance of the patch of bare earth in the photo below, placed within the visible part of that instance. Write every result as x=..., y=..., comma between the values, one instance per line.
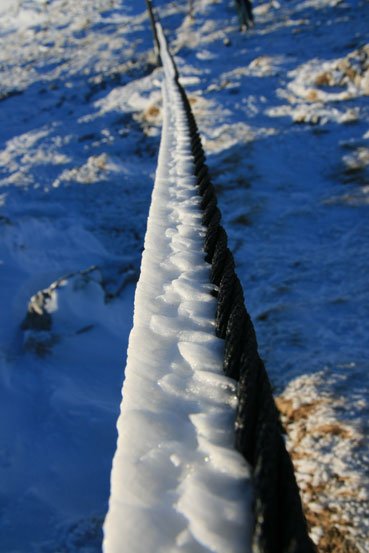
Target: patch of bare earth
x=323, y=450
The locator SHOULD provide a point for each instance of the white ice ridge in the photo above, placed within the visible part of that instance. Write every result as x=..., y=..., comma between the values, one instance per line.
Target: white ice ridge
x=177, y=482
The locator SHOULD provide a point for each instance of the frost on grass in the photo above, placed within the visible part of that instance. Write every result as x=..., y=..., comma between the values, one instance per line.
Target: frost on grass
x=329, y=452
x=96, y=168
x=316, y=87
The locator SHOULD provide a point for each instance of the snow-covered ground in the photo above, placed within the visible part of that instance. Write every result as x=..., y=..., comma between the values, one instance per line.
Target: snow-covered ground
x=283, y=112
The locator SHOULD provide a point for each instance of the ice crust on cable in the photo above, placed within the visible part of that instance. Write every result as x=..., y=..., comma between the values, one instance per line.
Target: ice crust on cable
x=177, y=482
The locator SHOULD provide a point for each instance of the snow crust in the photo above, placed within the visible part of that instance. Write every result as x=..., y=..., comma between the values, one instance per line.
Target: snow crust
x=177, y=482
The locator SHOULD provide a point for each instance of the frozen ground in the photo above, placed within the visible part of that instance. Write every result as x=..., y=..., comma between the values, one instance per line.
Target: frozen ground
x=284, y=116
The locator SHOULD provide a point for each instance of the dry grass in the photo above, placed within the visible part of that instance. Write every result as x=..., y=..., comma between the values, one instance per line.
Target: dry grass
x=335, y=429
x=312, y=95
x=292, y=414
x=335, y=530
x=323, y=79
x=152, y=113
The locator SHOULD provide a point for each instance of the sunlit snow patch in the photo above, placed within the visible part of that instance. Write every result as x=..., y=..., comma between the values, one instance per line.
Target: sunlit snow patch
x=317, y=86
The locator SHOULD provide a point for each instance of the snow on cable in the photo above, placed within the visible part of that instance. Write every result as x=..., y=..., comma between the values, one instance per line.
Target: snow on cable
x=177, y=482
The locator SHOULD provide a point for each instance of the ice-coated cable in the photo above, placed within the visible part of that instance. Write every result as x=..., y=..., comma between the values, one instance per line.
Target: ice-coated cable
x=177, y=483
x=274, y=520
